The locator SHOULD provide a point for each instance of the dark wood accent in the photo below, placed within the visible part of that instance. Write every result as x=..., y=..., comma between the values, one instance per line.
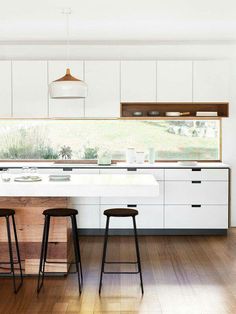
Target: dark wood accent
x=127, y=109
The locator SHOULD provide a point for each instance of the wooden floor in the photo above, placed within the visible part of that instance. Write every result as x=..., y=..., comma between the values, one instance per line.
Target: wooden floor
x=181, y=275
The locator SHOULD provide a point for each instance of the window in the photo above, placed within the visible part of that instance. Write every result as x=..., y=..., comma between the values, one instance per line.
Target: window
x=83, y=139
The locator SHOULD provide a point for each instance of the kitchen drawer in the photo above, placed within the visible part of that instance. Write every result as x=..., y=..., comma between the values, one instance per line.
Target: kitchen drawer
x=196, y=192
x=88, y=216
x=188, y=217
x=136, y=200
x=84, y=201
x=196, y=174
x=84, y=171
x=157, y=173
x=150, y=216
x=50, y=171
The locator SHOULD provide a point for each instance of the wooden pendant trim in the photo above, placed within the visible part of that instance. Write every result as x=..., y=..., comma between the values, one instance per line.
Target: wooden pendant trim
x=67, y=77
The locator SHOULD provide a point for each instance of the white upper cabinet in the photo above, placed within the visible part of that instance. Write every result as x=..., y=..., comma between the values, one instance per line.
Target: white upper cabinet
x=71, y=107
x=30, y=89
x=138, y=81
x=174, y=81
x=5, y=89
x=210, y=80
x=103, y=79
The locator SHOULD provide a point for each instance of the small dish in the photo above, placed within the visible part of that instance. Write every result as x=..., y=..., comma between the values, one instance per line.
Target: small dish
x=27, y=179
x=137, y=113
x=153, y=113
x=59, y=178
x=188, y=163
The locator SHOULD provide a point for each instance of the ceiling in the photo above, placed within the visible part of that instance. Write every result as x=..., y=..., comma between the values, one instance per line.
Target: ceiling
x=123, y=20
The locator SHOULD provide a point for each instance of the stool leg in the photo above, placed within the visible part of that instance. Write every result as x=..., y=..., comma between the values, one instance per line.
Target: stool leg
x=18, y=253
x=104, y=253
x=43, y=255
x=138, y=254
x=10, y=253
x=76, y=250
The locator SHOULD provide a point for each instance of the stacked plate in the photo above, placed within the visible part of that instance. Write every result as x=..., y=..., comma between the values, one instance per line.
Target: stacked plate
x=59, y=178
x=28, y=179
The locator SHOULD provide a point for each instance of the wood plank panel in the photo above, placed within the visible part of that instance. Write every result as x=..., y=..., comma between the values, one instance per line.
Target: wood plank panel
x=33, y=233
x=29, y=224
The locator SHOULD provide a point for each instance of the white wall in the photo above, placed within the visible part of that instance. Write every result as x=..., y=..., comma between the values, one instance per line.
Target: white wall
x=179, y=50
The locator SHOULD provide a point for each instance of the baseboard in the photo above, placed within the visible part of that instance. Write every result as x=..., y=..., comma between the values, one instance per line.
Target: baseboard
x=146, y=232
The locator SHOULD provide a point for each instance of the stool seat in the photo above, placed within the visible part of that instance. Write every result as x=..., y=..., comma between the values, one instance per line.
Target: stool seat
x=60, y=212
x=121, y=212
x=4, y=212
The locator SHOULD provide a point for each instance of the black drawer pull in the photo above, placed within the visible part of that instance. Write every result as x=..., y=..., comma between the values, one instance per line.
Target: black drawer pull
x=67, y=169
x=131, y=169
x=196, y=205
x=196, y=182
x=131, y=205
x=196, y=169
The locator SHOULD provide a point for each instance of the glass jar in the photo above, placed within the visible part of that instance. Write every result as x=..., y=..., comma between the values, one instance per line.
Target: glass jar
x=104, y=158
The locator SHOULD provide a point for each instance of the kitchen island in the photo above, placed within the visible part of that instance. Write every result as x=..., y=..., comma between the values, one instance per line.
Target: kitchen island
x=30, y=199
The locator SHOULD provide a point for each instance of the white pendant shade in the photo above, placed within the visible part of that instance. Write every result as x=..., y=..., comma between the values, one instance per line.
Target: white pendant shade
x=68, y=87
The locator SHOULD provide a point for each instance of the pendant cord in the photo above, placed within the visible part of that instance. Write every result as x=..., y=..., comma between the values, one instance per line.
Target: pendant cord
x=67, y=37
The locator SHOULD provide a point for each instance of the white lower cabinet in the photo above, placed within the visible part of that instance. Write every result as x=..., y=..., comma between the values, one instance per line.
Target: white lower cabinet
x=88, y=215
x=203, y=217
x=196, y=174
x=149, y=217
x=157, y=173
x=137, y=200
x=50, y=171
x=196, y=192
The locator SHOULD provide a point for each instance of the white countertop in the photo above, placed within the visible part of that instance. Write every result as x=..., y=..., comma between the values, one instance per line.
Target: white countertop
x=84, y=185
x=15, y=164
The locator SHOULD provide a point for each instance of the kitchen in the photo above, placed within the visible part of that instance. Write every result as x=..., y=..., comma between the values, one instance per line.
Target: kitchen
x=119, y=128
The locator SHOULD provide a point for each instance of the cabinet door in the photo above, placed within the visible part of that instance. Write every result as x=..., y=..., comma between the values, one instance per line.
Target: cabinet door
x=150, y=216
x=186, y=216
x=196, y=192
x=88, y=216
x=137, y=200
x=71, y=107
x=30, y=89
x=138, y=81
x=103, y=79
x=174, y=81
x=5, y=89
x=210, y=80
x=157, y=173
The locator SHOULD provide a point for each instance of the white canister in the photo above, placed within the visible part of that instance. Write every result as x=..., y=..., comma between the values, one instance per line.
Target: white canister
x=130, y=155
x=140, y=157
x=151, y=155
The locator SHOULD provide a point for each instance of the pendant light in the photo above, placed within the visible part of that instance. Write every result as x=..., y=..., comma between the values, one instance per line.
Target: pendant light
x=68, y=86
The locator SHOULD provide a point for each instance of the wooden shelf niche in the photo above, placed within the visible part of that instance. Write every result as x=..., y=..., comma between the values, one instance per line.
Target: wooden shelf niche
x=127, y=110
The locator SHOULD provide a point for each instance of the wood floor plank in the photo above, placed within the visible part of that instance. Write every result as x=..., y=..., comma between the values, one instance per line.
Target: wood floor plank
x=182, y=274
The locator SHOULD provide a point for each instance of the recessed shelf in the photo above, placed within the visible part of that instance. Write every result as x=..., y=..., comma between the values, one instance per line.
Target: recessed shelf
x=127, y=110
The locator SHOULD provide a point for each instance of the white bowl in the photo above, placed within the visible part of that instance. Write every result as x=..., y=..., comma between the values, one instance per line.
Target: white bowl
x=188, y=163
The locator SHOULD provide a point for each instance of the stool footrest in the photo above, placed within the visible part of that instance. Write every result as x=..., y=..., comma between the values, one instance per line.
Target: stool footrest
x=120, y=262
x=56, y=262
x=121, y=272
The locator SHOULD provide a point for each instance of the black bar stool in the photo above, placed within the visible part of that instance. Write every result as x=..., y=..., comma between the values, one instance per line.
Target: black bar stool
x=7, y=213
x=59, y=212
x=121, y=212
